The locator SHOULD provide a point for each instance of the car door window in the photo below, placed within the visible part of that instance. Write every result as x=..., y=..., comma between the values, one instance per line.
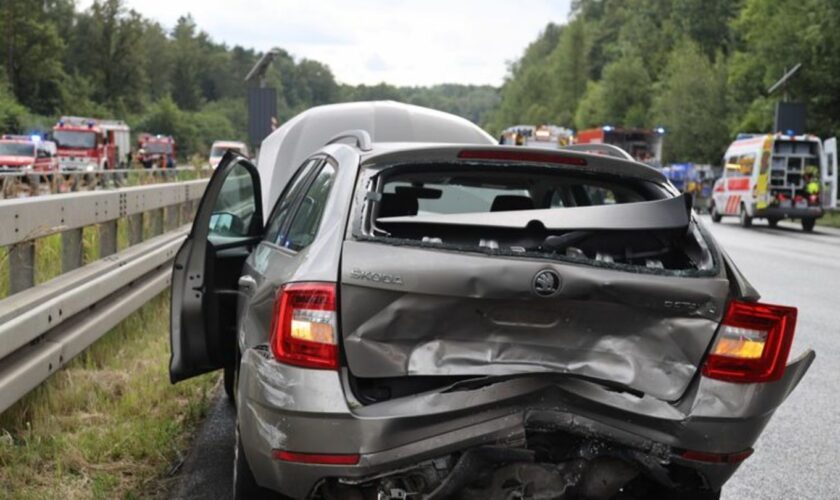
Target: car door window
x=282, y=211
x=234, y=208
x=304, y=226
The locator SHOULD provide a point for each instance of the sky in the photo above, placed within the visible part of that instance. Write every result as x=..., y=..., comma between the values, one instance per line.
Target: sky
x=401, y=42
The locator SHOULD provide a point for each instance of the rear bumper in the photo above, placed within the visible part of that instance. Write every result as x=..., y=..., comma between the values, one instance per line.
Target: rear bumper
x=790, y=213
x=300, y=410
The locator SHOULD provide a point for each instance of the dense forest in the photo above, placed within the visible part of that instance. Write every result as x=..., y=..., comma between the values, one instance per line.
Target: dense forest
x=699, y=68
x=111, y=62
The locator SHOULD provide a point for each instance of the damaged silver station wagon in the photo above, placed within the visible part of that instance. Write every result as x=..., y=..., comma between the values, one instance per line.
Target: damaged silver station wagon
x=405, y=310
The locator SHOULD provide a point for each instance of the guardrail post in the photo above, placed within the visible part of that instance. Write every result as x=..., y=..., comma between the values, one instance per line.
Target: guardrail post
x=71, y=250
x=21, y=266
x=157, y=221
x=135, y=229
x=171, y=217
x=107, y=238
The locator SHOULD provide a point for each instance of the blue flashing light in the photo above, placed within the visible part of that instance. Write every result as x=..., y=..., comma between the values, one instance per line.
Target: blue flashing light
x=35, y=138
x=790, y=132
x=608, y=128
x=659, y=130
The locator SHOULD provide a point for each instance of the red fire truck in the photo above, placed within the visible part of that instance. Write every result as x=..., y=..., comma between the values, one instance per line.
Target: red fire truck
x=25, y=153
x=643, y=144
x=156, y=151
x=91, y=144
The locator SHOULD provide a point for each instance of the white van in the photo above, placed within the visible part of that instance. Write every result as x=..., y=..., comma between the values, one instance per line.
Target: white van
x=775, y=177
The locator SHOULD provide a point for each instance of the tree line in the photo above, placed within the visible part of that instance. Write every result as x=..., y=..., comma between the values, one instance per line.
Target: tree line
x=699, y=68
x=109, y=61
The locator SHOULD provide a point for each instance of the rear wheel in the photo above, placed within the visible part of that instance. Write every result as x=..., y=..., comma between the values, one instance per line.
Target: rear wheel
x=244, y=484
x=746, y=220
x=808, y=224
x=716, y=216
x=230, y=383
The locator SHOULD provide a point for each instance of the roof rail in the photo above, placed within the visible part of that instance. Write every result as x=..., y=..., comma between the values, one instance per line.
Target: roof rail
x=607, y=149
x=363, y=141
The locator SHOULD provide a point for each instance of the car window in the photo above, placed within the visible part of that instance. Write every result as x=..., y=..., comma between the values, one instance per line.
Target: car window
x=235, y=206
x=732, y=167
x=304, y=227
x=282, y=209
x=746, y=164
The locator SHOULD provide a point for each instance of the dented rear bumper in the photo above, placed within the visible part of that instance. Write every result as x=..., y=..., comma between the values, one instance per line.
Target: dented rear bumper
x=307, y=411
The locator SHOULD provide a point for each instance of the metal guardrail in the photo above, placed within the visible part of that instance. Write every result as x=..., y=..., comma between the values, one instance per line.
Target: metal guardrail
x=14, y=183
x=76, y=171
x=43, y=327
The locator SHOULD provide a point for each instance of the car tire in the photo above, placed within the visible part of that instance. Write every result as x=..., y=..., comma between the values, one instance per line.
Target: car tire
x=716, y=216
x=244, y=484
x=230, y=383
x=808, y=224
x=746, y=220
x=774, y=223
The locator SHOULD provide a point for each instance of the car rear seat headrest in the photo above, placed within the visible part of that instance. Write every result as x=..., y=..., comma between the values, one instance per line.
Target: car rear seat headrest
x=506, y=202
x=397, y=205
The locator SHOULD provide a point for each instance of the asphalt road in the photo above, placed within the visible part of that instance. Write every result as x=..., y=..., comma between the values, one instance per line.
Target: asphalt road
x=798, y=456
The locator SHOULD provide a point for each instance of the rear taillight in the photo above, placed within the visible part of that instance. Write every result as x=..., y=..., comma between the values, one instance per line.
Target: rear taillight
x=527, y=156
x=305, y=330
x=753, y=343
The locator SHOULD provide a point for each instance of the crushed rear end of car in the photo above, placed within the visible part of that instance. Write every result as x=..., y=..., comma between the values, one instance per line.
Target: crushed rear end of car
x=516, y=324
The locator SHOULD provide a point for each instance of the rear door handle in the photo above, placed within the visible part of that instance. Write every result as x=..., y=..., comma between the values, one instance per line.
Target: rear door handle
x=247, y=284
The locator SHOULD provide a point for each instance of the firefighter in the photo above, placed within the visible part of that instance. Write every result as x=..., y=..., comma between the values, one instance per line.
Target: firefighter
x=812, y=184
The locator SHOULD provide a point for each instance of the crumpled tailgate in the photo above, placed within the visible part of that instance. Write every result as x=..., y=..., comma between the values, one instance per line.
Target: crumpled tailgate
x=408, y=311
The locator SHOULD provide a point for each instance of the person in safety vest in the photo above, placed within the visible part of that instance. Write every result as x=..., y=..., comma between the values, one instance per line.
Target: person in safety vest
x=812, y=184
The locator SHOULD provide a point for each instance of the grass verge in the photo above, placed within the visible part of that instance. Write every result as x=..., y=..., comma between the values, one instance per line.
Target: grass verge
x=831, y=219
x=109, y=425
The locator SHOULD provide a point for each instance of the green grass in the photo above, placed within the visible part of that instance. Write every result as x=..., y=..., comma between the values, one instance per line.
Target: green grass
x=4, y=272
x=47, y=258
x=109, y=425
x=831, y=219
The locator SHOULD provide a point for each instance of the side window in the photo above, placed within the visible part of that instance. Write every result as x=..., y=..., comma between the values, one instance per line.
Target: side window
x=731, y=167
x=234, y=209
x=308, y=216
x=282, y=210
x=600, y=196
x=746, y=164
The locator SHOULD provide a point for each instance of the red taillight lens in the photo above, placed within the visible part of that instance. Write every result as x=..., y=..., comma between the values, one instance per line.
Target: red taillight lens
x=315, y=458
x=529, y=156
x=305, y=330
x=753, y=343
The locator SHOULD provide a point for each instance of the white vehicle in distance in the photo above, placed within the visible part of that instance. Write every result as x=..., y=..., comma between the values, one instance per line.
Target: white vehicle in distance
x=218, y=149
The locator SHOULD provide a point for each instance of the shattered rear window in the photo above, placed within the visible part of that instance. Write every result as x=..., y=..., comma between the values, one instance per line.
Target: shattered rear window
x=468, y=208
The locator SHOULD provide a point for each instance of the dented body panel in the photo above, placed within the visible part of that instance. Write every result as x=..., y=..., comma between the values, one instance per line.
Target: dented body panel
x=460, y=314
x=292, y=408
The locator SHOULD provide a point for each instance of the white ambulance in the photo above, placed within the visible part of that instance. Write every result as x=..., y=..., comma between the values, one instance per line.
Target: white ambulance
x=775, y=177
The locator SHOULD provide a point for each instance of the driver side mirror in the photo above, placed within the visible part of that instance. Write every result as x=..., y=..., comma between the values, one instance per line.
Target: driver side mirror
x=227, y=224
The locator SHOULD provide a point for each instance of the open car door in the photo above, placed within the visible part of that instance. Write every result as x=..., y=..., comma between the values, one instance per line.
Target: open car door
x=227, y=225
x=830, y=180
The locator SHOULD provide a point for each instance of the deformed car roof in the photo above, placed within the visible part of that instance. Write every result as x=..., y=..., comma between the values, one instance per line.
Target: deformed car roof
x=386, y=121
